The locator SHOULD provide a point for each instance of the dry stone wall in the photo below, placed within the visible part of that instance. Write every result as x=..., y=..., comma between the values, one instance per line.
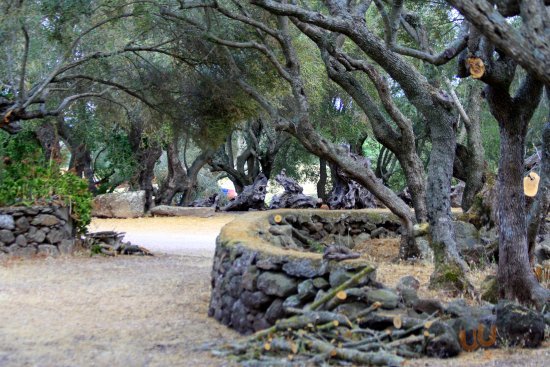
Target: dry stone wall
x=36, y=230
x=254, y=279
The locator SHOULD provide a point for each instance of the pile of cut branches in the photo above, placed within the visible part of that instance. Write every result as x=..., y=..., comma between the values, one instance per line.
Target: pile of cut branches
x=110, y=243
x=315, y=335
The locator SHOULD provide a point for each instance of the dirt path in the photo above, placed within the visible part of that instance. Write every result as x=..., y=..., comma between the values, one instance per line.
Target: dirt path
x=138, y=311
x=123, y=311
x=179, y=235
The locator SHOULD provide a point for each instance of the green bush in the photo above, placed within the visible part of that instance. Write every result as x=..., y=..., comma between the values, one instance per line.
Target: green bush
x=27, y=179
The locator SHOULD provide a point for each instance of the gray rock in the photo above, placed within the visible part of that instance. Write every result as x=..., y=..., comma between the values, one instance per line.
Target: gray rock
x=428, y=306
x=181, y=211
x=341, y=275
x=292, y=301
x=66, y=247
x=234, y=287
x=249, y=278
x=458, y=308
x=320, y=283
x=268, y=264
x=6, y=222
x=409, y=296
x=519, y=325
x=32, y=210
x=387, y=297
x=119, y=205
x=6, y=236
x=255, y=300
x=306, y=290
x=305, y=267
x=260, y=323
x=466, y=235
x=35, y=235
x=276, y=284
x=275, y=311
x=48, y=250
x=25, y=252
x=46, y=220
x=62, y=213
x=408, y=282
x=55, y=236
x=22, y=224
x=239, y=318
x=444, y=345
x=20, y=240
x=378, y=232
x=361, y=238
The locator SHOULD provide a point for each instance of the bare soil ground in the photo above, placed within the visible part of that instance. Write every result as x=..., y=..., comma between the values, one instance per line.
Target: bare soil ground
x=150, y=311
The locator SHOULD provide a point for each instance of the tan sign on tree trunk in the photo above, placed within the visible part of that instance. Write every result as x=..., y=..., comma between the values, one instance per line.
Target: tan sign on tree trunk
x=531, y=184
x=476, y=67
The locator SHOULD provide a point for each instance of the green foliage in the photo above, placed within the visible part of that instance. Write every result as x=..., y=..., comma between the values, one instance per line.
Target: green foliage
x=27, y=179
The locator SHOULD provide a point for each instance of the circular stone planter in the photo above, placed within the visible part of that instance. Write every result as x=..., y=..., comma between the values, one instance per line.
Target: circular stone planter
x=265, y=261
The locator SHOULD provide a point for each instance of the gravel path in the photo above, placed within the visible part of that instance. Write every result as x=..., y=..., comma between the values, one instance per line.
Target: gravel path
x=138, y=311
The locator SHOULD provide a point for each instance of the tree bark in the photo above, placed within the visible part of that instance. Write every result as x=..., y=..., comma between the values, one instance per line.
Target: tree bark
x=49, y=140
x=322, y=183
x=515, y=277
x=450, y=269
x=192, y=176
x=147, y=154
x=539, y=209
x=475, y=160
x=176, y=181
x=148, y=158
x=81, y=158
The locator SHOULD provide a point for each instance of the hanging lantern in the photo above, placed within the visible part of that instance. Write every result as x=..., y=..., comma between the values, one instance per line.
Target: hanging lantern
x=531, y=184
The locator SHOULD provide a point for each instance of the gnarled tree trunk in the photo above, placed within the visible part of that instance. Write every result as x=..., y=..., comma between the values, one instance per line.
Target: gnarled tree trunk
x=539, y=209
x=49, y=140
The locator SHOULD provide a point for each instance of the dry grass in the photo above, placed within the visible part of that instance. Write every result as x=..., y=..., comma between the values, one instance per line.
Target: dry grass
x=385, y=252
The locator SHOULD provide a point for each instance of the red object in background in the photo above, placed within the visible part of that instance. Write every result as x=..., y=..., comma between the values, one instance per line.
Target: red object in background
x=230, y=193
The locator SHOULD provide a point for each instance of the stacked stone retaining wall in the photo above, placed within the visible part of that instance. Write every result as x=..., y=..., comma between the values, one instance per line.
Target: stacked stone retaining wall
x=36, y=230
x=254, y=278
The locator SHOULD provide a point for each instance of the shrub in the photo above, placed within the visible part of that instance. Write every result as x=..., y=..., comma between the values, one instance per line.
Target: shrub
x=26, y=178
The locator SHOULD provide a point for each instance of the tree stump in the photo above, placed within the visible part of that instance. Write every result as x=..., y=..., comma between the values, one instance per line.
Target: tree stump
x=293, y=196
x=348, y=194
x=252, y=197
